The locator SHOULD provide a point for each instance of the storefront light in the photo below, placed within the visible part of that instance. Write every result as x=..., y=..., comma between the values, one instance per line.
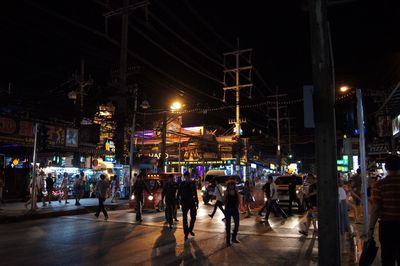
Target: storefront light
x=150, y=197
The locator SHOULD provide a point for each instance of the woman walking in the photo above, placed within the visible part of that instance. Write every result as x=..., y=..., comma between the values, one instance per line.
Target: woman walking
x=232, y=201
x=64, y=189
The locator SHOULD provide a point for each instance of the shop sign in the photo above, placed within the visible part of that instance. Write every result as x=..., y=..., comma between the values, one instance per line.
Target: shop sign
x=378, y=148
x=158, y=155
x=21, y=131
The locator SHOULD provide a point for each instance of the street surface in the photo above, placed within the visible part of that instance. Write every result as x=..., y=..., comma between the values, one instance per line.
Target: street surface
x=83, y=239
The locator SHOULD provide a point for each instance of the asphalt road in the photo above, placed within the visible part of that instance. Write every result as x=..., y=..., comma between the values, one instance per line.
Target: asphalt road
x=85, y=240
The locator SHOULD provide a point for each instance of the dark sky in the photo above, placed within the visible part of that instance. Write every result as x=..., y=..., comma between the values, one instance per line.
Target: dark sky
x=43, y=42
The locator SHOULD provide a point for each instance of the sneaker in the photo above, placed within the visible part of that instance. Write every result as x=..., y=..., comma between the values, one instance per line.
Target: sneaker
x=235, y=241
x=186, y=236
x=95, y=215
x=303, y=232
x=228, y=244
x=210, y=216
x=191, y=233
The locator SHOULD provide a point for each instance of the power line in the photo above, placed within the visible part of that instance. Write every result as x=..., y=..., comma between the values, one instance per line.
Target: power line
x=116, y=43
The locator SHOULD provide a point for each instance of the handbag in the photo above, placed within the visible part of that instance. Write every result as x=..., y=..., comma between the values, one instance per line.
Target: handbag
x=368, y=252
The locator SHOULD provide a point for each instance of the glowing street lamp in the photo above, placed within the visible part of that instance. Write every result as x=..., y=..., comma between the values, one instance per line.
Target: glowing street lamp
x=344, y=89
x=176, y=106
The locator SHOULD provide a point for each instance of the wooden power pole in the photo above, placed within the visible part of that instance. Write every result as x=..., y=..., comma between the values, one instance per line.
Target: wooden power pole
x=325, y=135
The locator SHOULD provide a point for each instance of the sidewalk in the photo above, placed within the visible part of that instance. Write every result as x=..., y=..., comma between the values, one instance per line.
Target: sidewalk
x=15, y=212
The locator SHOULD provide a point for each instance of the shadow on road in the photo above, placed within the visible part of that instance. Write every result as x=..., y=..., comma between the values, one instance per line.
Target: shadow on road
x=164, y=249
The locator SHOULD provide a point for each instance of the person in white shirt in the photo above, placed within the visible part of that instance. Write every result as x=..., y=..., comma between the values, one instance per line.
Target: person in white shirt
x=218, y=192
x=272, y=201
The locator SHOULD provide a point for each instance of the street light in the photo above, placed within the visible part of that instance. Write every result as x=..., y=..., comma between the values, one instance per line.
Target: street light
x=344, y=89
x=175, y=107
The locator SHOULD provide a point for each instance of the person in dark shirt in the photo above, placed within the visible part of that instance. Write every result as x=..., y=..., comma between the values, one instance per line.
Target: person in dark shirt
x=138, y=189
x=169, y=193
x=49, y=187
x=232, y=201
x=267, y=189
x=187, y=195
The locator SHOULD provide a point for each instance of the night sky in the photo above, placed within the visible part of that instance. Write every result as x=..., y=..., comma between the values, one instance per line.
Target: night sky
x=43, y=42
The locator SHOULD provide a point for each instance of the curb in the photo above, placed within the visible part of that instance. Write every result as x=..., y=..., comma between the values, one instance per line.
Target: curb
x=5, y=219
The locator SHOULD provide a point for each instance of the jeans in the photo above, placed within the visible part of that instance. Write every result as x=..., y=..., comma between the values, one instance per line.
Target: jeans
x=139, y=208
x=272, y=204
x=389, y=232
x=219, y=205
x=101, y=207
x=193, y=212
x=231, y=213
x=170, y=209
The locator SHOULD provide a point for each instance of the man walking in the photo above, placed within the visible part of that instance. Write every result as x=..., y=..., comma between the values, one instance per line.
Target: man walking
x=169, y=193
x=187, y=195
x=267, y=189
x=138, y=189
x=273, y=202
x=386, y=197
x=232, y=201
x=101, y=189
x=49, y=187
x=220, y=198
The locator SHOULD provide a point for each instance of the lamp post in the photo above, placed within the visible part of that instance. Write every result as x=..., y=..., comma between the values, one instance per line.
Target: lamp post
x=363, y=166
x=175, y=107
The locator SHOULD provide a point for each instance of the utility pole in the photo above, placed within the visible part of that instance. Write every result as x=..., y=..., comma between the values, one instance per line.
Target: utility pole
x=33, y=195
x=277, y=119
x=121, y=97
x=161, y=162
x=325, y=135
x=132, y=137
x=237, y=70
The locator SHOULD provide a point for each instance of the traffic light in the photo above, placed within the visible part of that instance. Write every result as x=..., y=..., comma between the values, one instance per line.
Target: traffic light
x=42, y=138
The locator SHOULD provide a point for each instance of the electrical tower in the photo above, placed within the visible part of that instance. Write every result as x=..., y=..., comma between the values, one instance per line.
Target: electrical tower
x=232, y=80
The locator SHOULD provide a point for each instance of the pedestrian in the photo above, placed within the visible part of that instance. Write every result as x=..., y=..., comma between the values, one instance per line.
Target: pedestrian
x=101, y=190
x=247, y=198
x=133, y=180
x=311, y=200
x=64, y=189
x=77, y=189
x=343, y=211
x=231, y=200
x=187, y=195
x=138, y=190
x=351, y=201
x=218, y=192
x=273, y=202
x=114, y=188
x=386, y=208
x=127, y=186
x=49, y=187
x=293, y=195
x=169, y=193
x=355, y=182
x=267, y=190
x=41, y=187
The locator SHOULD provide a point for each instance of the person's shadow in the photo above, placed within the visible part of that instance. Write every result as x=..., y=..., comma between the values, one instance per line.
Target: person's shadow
x=193, y=258
x=165, y=248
